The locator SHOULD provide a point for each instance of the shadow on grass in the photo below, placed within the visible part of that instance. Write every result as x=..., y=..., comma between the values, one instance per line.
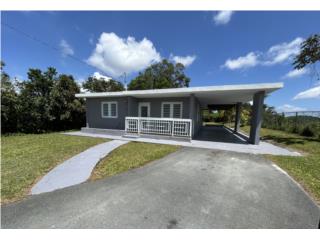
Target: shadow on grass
x=290, y=140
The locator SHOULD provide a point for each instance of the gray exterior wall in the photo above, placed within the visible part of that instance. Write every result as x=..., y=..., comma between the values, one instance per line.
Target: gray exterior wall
x=132, y=107
x=128, y=106
x=155, y=105
x=94, y=116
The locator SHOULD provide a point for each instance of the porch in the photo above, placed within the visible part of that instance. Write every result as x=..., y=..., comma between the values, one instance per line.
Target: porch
x=175, y=130
x=166, y=128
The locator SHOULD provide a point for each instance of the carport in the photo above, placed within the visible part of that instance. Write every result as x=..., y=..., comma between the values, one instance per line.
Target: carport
x=224, y=97
x=220, y=133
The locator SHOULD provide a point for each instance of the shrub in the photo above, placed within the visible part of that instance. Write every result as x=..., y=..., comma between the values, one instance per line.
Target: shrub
x=307, y=131
x=294, y=129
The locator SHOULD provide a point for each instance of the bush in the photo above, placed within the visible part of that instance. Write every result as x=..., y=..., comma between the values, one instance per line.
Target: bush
x=294, y=129
x=303, y=125
x=307, y=131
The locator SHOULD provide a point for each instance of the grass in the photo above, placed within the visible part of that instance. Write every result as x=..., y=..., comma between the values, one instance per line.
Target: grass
x=304, y=169
x=128, y=156
x=26, y=158
x=212, y=123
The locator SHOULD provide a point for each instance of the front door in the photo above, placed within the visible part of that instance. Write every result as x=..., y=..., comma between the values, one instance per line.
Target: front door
x=144, y=109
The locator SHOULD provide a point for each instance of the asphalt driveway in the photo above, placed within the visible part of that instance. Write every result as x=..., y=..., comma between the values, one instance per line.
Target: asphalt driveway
x=192, y=188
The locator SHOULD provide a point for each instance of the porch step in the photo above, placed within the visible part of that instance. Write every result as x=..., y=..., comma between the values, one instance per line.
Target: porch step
x=116, y=132
x=157, y=137
x=130, y=136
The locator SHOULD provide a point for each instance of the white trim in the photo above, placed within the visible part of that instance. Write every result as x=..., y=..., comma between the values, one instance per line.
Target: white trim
x=171, y=108
x=109, y=103
x=267, y=87
x=147, y=104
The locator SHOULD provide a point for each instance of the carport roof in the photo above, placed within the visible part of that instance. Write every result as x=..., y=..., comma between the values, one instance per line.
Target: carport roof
x=224, y=94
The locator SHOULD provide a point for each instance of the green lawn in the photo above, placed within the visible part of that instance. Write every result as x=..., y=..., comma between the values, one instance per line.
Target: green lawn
x=128, y=156
x=26, y=158
x=305, y=169
x=212, y=123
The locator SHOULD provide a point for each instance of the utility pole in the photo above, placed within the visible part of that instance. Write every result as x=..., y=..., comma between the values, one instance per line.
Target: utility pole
x=125, y=80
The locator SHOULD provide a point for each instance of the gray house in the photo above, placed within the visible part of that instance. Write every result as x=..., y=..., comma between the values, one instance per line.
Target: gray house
x=174, y=112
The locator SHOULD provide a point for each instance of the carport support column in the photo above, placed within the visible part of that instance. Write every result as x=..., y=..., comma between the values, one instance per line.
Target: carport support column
x=256, y=119
x=192, y=110
x=237, y=120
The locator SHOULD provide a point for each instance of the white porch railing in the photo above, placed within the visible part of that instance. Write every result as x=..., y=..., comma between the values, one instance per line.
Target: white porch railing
x=163, y=126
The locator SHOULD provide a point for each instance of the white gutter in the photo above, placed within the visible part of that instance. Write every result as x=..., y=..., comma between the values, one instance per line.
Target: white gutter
x=268, y=87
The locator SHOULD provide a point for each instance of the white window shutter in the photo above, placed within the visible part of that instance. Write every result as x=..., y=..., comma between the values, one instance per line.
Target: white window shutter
x=176, y=110
x=113, y=110
x=106, y=109
x=166, y=110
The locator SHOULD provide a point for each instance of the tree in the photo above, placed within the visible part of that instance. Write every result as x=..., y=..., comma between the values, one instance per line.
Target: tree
x=101, y=85
x=245, y=114
x=66, y=110
x=309, y=53
x=161, y=75
x=45, y=102
x=34, y=101
x=9, y=100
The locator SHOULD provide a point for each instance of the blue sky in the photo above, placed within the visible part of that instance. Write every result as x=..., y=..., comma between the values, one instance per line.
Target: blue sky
x=218, y=48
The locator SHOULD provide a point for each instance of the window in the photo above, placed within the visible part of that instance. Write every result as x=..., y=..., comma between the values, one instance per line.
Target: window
x=166, y=110
x=176, y=112
x=109, y=109
x=171, y=110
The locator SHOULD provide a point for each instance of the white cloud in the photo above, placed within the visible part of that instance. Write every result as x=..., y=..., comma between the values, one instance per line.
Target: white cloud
x=282, y=52
x=80, y=79
x=83, y=90
x=100, y=76
x=186, y=61
x=114, y=55
x=222, y=17
x=289, y=108
x=96, y=75
x=66, y=49
x=276, y=54
x=310, y=93
x=296, y=73
x=250, y=60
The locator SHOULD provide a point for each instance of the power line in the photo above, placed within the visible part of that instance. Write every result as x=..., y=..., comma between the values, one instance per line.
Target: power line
x=42, y=42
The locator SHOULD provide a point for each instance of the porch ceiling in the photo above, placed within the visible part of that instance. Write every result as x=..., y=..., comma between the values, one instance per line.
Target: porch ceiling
x=226, y=97
x=226, y=94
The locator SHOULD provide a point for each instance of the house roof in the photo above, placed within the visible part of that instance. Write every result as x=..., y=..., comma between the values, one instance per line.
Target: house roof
x=224, y=94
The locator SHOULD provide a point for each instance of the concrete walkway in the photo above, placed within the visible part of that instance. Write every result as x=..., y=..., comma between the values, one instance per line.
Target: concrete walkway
x=75, y=170
x=262, y=148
